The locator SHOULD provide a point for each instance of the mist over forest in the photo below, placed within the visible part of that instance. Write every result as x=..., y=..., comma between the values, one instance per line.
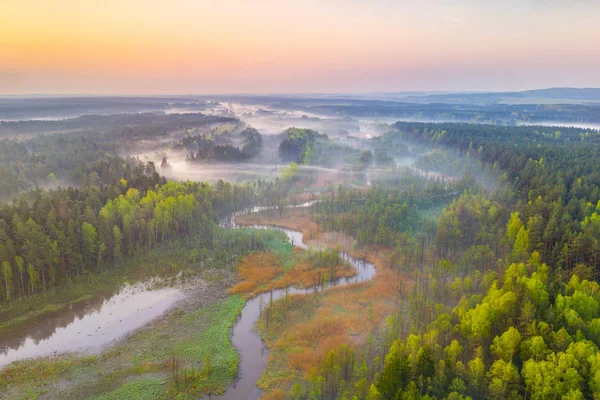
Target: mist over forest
x=347, y=246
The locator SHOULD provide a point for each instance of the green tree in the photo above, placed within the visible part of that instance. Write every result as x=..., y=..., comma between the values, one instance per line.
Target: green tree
x=6, y=272
x=506, y=345
x=521, y=245
x=89, y=236
x=297, y=391
x=476, y=373
x=503, y=376
x=513, y=226
x=535, y=347
x=395, y=374
x=551, y=378
x=34, y=277
x=373, y=394
x=118, y=241
x=21, y=268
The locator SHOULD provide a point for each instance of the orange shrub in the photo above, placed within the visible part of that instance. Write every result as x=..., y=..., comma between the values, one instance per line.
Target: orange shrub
x=275, y=394
x=257, y=270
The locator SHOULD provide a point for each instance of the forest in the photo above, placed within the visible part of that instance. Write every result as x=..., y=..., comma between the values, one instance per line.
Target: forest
x=35, y=159
x=484, y=242
x=505, y=298
x=306, y=146
x=221, y=147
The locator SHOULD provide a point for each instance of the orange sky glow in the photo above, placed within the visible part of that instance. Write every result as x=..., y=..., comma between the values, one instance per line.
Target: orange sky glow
x=184, y=46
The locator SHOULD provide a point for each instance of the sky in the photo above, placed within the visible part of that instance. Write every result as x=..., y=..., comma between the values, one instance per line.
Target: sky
x=285, y=46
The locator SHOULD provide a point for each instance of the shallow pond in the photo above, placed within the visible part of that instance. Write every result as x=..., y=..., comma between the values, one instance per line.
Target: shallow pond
x=87, y=325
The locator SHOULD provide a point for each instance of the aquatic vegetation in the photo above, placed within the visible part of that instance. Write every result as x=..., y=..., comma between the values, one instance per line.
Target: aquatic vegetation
x=263, y=271
x=140, y=389
x=256, y=270
x=283, y=250
x=210, y=360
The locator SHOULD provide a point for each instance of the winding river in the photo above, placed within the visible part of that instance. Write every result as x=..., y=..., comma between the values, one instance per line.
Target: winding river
x=252, y=349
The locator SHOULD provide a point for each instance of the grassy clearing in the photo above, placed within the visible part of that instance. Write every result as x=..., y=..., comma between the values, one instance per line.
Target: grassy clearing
x=27, y=379
x=284, y=251
x=141, y=389
x=213, y=345
x=142, y=362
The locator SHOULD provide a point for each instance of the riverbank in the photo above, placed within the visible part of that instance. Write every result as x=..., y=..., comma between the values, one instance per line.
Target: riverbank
x=301, y=330
x=173, y=356
x=172, y=342
x=166, y=262
x=300, y=220
x=177, y=340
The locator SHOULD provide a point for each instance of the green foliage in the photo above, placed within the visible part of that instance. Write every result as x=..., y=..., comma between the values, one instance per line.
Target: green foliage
x=81, y=151
x=513, y=226
x=306, y=146
x=553, y=177
x=68, y=233
x=506, y=345
x=212, y=347
x=554, y=377
x=504, y=303
x=296, y=144
x=220, y=147
x=139, y=389
x=395, y=375
x=283, y=250
x=379, y=215
x=290, y=172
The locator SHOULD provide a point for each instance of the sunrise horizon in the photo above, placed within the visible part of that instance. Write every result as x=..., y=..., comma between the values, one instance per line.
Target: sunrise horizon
x=103, y=47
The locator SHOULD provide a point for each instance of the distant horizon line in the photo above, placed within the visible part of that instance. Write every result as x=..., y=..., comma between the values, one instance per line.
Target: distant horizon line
x=239, y=94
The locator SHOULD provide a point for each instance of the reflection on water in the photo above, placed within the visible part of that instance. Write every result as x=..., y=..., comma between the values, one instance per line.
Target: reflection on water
x=88, y=325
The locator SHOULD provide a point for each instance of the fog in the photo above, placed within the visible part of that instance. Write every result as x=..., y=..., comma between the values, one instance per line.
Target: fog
x=154, y=136
x=58, y=108
x=271, y=120
x=180, y=169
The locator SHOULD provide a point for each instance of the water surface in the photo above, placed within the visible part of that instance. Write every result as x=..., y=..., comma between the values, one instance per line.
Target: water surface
x=88, y=325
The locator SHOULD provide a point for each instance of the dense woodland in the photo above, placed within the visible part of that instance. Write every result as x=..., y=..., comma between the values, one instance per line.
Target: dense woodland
x=307, y=146
x=106, y=107
x=112, y=122
x=72, y=158
x=383, y=216
x=68, y=233
x=499, y=114
x=553, y=177
x=505, y=302
x=206, y=148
